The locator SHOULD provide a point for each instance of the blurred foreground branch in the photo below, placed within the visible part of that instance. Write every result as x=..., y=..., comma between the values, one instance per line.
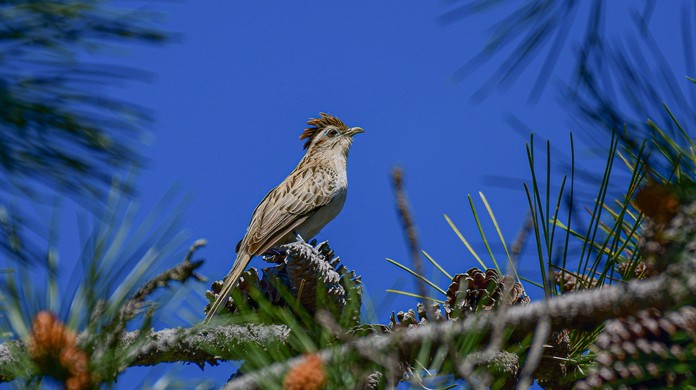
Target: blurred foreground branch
x=61, y=131
x=582, y=310
x=409, y=227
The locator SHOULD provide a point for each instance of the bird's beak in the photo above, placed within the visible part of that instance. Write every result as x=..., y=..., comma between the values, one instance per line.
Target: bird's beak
x=354, y=130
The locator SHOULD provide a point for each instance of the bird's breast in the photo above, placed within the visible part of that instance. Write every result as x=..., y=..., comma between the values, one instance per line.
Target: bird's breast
x=323, y=215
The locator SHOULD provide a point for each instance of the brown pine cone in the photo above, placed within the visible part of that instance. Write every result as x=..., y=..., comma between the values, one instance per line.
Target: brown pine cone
x=308, y=375
x=553, y=367
x=54, y=349
x=409, y=319
x=571, y=282
x=630, y=270
x=666, y=242
x=648, y=350
x=304, y=270
x=478, y=290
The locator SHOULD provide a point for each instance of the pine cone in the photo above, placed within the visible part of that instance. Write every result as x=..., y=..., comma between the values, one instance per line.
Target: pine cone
x=403, y=320
x=648, y=350
x=54, y=349
x=554, y=366
x=468, y=292
x=659, y=202
x=304, y=270
x=434, y=314
x=500, y=369
x=571, y=282
x=478, y=290
x=308, y=375
x=662, y=243
x=409, y=318
x=309, y=270
x=632, y=270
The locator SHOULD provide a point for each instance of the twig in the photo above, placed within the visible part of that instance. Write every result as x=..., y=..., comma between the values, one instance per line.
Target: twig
x=521, y=239
x=583, y=310
x=180, y=273
x=130, y=309
x=409, y=229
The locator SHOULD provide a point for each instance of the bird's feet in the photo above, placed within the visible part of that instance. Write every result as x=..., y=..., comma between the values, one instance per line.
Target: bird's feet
x=299, y=238
x=274, y=255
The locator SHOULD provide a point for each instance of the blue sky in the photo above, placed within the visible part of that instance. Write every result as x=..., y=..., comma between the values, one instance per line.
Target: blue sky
x=232, y=94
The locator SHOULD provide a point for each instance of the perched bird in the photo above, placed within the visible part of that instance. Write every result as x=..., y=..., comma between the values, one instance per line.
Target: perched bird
x=309, y=198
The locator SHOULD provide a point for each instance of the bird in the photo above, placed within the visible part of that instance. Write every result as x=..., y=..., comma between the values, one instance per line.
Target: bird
x=301, y=205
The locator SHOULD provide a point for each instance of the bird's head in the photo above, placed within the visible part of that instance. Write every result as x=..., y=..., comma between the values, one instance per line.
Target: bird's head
x=328, y=134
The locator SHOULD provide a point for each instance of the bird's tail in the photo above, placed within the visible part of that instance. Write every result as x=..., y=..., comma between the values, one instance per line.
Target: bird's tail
x=230, y=280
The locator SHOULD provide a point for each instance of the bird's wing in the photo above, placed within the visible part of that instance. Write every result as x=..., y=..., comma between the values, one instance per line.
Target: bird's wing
x=287, y=206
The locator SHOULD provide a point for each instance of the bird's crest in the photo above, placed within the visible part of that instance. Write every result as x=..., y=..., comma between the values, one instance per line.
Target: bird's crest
x=318, y=124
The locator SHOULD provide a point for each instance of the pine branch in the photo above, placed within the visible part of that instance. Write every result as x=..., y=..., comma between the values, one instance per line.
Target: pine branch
x=202, y=345
x=181, y=273
x=197, y=345
x=582, y=310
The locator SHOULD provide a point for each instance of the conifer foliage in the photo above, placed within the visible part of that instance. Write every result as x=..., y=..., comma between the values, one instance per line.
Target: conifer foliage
x=616, y=281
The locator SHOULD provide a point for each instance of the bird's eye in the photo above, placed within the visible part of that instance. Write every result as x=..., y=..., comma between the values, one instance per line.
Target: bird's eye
x=332, y=132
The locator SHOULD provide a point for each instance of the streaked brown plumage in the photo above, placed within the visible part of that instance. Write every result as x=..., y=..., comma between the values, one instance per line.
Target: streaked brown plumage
x=309, y=198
